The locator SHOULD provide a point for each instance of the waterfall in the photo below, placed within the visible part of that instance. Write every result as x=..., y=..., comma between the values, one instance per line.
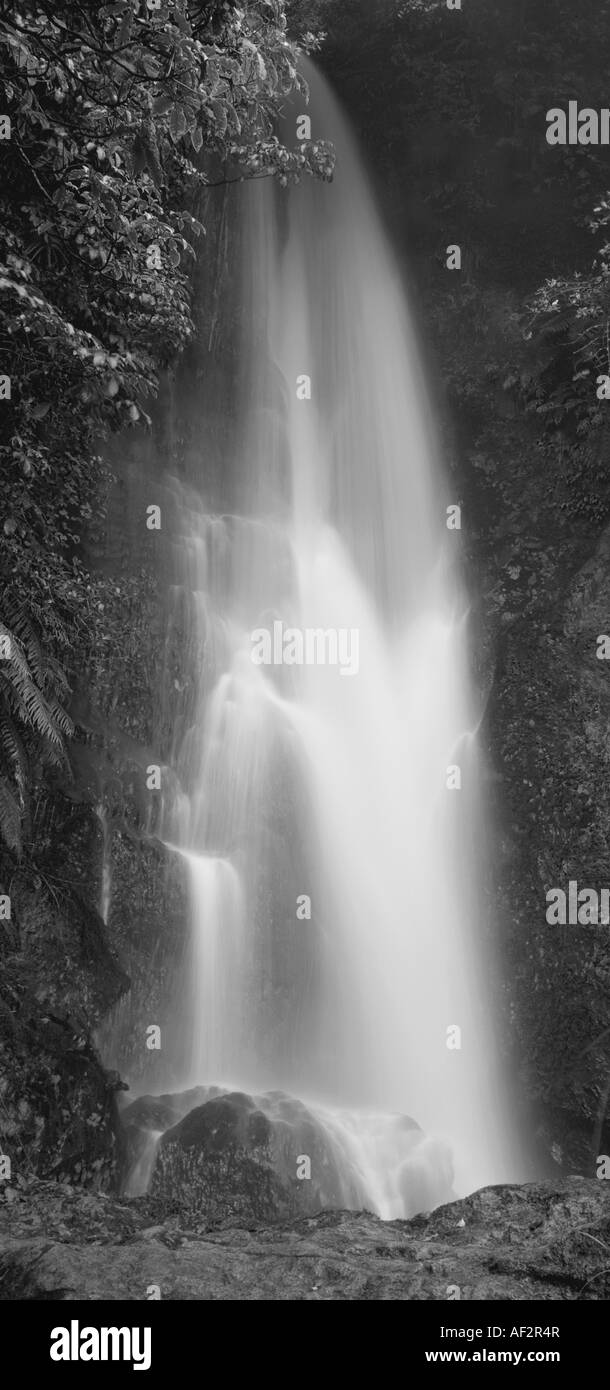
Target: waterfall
x=328, y=803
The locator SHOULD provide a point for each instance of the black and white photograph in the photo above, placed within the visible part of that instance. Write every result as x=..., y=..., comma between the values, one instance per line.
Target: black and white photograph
x=304, y=670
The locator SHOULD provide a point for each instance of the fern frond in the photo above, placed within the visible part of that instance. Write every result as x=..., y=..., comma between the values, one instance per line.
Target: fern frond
x=33, y=722
x=14, y=753
x=29, y=703
x=22, y=629
x=10, y=817
x=16, y=659
x=61, y=718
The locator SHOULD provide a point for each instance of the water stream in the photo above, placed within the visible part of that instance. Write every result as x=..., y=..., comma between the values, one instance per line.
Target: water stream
x=338, y=943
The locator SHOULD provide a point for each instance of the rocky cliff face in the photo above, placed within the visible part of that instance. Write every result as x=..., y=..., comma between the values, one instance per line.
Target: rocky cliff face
x=548, y=719
x=59, y=977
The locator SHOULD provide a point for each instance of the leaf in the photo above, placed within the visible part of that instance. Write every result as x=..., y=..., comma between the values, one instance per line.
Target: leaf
x=162, y=104
x=151, y=65
x=220, y=116
x=14, y=753
x=10, y=817
x=177, y=123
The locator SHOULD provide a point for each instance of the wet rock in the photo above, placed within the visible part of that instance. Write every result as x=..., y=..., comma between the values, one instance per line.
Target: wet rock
x=541, y=1242
x=252, y=1158
x=58, y=1114
x=549, y=712
x=58, y=977
x=268, y=1156
x=151, y=1116
x=148, y=928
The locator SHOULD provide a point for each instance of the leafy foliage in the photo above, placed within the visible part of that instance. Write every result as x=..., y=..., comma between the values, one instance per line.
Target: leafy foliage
x=120, y=114
x=570, y=326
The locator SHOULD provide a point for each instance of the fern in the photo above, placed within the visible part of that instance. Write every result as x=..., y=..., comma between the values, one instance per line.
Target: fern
x=22, y=629
x=34, y=724
x=14, y=753
x=11, y=816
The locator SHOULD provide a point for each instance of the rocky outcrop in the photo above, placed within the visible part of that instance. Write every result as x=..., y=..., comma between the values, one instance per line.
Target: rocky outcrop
x=224, y=1155
x=57, y=1103
x=536, y=1242
x=548, y=720
x=143, y=1122
x=239, y=1157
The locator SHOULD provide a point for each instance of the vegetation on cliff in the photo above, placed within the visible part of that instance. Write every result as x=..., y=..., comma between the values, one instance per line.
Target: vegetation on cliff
x=118, y=113
x=117, y=116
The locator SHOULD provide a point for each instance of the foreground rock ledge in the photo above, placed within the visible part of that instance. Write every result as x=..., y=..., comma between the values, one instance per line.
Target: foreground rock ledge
x=539, y=1241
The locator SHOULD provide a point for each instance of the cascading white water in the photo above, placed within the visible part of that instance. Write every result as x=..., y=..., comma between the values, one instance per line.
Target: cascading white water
x=307, y=781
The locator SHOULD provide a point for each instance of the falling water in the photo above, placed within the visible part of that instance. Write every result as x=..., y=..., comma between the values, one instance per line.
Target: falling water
x=335, y=870
x=106, y=867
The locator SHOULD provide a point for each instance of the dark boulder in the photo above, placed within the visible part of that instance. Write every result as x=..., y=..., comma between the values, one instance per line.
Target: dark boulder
x=143, y=1121
x=58, y=1117
x=259, y=1158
